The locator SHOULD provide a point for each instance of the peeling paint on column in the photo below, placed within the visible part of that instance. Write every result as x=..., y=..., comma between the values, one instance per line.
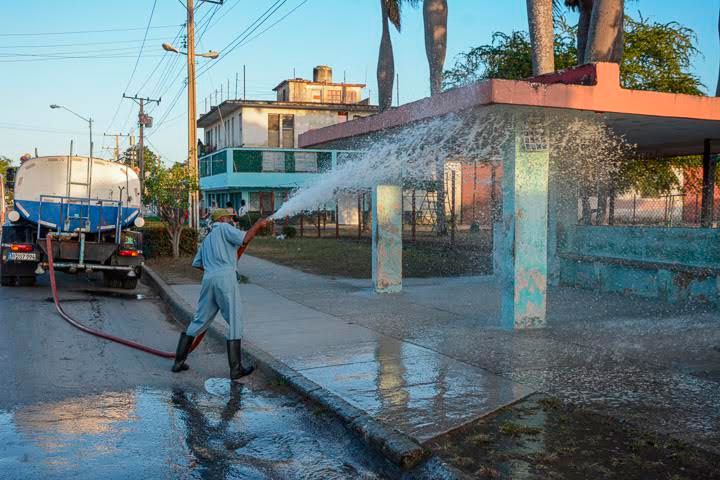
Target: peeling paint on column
x=387, y=238
x=522, y=246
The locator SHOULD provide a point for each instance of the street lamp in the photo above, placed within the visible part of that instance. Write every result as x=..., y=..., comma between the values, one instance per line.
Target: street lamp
x=89, y=120
x=192, y=127
x=209, y=54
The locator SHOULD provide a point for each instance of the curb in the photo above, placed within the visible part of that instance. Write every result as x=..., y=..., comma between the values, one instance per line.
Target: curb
x=396, y=446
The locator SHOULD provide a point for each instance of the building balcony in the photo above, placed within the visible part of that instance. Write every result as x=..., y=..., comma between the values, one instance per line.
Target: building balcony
x=266, y=168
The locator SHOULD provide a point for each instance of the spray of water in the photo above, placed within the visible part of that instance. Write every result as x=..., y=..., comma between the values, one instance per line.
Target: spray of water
x=414, y=154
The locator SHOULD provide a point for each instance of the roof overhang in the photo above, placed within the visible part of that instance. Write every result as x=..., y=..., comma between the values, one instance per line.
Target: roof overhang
x=661, y=123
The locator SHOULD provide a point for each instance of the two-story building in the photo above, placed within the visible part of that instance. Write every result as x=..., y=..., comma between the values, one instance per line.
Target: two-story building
x=249, y=149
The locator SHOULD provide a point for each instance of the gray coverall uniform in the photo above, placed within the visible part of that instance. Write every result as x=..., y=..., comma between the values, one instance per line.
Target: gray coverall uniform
x=220, y=290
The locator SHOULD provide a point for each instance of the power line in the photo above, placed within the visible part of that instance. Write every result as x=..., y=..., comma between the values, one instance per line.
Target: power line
x=84, y=31
x=278, y=21
x=170, y=108
x=147, y=28
x=28, y=128
x=74, y=57
x=225, y=12
x=53, y=45
x=244, y=34
x=165, y=54
x=72, y=52
x=137, y=61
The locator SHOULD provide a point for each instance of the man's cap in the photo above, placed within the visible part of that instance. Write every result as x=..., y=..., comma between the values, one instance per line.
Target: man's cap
x=221, y=212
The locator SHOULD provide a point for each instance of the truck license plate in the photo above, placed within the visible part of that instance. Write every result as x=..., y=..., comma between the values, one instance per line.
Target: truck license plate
x=22, y=257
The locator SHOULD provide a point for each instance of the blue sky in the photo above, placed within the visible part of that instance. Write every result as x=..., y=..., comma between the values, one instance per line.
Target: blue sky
x=341, y=33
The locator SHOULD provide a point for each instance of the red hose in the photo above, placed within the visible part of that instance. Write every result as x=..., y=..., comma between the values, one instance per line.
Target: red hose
x=99, y=333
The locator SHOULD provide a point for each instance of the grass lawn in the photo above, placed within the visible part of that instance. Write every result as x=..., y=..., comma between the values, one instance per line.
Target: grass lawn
x=351, y=257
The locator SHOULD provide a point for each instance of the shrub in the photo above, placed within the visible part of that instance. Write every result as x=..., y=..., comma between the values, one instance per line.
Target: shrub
x=289, y=231
x=156, y=241
x=474, y=227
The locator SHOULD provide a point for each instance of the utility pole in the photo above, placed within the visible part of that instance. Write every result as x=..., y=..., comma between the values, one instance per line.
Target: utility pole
x=142, y=120
x=194, y=210
x=244, y=97
x=192, y=126
x=116, y=151
x=194, y=207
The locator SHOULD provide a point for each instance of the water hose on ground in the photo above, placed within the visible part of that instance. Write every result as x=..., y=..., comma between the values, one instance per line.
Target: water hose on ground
x=99, y=333
x=128, y=343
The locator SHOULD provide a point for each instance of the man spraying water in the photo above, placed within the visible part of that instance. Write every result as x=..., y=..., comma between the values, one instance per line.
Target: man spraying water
x=220, y=291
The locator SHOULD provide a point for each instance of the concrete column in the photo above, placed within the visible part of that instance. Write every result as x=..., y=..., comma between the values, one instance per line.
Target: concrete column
x=521, y=256
x=387, y=238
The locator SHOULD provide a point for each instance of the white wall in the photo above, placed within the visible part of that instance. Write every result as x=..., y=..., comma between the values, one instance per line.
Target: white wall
x=250, y=129
x=255, y=122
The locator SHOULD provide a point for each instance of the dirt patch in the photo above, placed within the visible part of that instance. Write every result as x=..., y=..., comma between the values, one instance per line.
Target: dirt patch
x=541, y=437
x=175, y=271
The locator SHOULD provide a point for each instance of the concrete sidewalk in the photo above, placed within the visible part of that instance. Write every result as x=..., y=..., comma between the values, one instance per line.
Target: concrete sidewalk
x=433, y=357
x=420, y=392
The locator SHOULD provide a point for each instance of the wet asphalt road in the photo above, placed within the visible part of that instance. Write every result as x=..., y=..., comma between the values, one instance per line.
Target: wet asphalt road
x=75, y=406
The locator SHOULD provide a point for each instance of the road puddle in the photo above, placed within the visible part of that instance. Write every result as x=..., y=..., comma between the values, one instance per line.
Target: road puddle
x=229, y=432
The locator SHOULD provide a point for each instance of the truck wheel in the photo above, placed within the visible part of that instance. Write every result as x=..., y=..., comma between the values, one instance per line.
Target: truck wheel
x=129, y=283
x=26, y=281
x=7, y=281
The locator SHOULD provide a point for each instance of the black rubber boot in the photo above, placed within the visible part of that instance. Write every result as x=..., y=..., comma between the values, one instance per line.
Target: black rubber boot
x=237, y=370
x=183, y=349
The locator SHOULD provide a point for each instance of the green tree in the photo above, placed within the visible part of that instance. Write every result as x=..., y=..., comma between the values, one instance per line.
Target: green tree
x=168, y=189
x=508, y=56
x=5, y=162
x=657, y=56
x=131, y=156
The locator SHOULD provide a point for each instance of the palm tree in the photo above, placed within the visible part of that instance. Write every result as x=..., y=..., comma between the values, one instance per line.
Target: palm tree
x=540, y=23
x=605, y=33
x=386, y=63
x=585, y=7
x=435, y=13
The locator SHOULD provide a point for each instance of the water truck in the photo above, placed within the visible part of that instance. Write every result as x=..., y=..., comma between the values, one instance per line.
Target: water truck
x=90, y=208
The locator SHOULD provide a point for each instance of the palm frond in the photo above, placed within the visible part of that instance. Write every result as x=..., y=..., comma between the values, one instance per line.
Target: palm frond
x=394, y=10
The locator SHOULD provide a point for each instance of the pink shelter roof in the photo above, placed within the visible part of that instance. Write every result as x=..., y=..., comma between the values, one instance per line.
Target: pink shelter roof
x=665, y=123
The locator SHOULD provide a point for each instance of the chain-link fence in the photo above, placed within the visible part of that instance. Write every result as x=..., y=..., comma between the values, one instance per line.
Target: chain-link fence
x=672, y=210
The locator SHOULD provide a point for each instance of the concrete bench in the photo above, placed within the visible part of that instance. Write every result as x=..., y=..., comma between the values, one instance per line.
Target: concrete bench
x=667, y=281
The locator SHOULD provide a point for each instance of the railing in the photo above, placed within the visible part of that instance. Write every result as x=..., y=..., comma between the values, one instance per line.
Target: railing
x=275, y=160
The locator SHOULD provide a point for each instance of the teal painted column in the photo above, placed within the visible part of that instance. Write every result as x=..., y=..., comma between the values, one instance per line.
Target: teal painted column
x=387, y=238
x=521, y=256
